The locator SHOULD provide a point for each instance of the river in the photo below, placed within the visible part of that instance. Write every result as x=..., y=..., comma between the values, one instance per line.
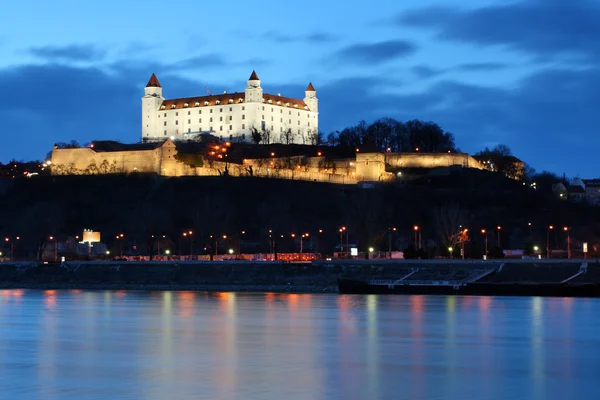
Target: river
x=180, y=345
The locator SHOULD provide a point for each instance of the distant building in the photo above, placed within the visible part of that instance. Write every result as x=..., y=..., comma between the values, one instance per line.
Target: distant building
x=230, y=116
x=592, y=190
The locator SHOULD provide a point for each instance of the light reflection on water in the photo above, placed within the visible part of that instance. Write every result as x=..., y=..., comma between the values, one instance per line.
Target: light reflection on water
x=158, y=345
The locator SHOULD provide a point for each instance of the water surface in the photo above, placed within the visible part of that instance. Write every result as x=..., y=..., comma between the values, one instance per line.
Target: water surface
x=179, y=345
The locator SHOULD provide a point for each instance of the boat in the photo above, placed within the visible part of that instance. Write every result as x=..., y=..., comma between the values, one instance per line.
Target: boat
x=561, y=289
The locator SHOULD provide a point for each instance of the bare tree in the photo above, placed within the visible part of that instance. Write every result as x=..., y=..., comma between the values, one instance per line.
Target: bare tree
x=450, y=220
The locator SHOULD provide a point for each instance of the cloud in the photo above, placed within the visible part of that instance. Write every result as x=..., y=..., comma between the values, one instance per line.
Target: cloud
x=71, y=53
x=376, y=53
x=481, y=66
x=546, y=28
x=314, y=37
x=425, y=72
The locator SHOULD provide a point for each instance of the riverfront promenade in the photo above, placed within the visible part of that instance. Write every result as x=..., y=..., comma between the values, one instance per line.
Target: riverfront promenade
x=274, y=276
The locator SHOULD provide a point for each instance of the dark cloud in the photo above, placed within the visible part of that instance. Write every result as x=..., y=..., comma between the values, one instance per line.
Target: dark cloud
x=425, y=72
x=482, y=66
x=315, y=37
x=376, y=53
x=68, y=53
x=546, y=28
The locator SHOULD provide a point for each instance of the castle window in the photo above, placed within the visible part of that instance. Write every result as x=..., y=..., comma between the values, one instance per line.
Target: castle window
x=295, y=105
x=278, y=103
x=189, y=121
x=165, y=133
x=281, y=111
x=309, y=123
x=243, y=116
x=220, y=118
x=185, y=105
x=206, y=103
x=230, y=101
x=270, y=101
x=220, y=110
x=197, y=104
x=199, y=111
x=165, y=124
x=243, y=126
x=306, y=107
x=231, y=117
x=218, y=102
x=263, y=108
x=230, y=109
x=243, y=108
x=287, y=104
x=230, y=127
x=173, y=106
x=271, y=119
x=298, y=122
x=298, y=113
x=290, y=113
x=271, y=109
x=200, y=120
x=263, y=117
x=221, y=128
x=243, y=136
x=189, y=130
x=210, y=119
x=162, y=108
x=177, y=122
x=240, y=100
x=290, y=121
x=177, y=114
x=280, y=119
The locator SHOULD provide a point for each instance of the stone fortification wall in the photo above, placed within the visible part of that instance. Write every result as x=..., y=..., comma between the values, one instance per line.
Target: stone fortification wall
x=86, y=161
x=431, y=160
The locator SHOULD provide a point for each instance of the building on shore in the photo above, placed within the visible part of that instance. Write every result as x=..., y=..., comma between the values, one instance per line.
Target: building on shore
x=230, y=116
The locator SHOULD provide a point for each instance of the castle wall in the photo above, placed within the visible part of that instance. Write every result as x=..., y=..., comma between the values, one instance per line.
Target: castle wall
x=86, y=161
x=430, y=160
x=370, y=166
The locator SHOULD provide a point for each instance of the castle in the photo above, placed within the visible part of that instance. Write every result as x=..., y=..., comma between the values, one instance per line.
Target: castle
x=230, y=116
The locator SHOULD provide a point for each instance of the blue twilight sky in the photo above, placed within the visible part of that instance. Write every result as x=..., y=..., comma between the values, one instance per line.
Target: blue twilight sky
x=519, y=72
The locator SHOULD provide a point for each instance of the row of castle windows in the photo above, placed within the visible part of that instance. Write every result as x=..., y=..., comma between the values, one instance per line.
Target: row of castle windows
x=231, y=119
x=206, y=103
x=221, y=129
x=231, y=109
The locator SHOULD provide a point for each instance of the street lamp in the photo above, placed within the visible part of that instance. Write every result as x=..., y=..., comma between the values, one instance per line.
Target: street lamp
x=484, y=232
x=304, y=235
x=548, y=241
x=119, y=237
x=417, y=234
x=568, y=230
x=450, y=249
x=499, y=228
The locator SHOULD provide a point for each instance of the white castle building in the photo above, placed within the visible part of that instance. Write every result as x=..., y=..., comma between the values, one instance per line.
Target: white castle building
x=230, y=116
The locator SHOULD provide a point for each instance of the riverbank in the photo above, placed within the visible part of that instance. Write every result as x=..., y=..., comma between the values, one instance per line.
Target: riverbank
x=280, y=277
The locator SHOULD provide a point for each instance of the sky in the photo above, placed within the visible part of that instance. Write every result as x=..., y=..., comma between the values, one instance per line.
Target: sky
x=518, y=72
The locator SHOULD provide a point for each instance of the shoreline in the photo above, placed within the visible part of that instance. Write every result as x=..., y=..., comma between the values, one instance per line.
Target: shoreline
x=172, y=287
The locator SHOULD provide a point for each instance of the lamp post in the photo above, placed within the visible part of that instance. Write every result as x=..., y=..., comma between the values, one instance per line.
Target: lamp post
x=119, y=237
x=341, y=243
x=302, y=237
x=548, y=241
x=530, y=235
x=191, y=243
x=390, y=241
x=450, y=249
x=484, y=232
x=499, y=228
x=568, y=230
x=417, y=236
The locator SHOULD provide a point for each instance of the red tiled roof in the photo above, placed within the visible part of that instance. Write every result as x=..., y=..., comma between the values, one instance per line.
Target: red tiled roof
x=228, y=98
x=310, y=88
x=254, y=77
x=153, y=82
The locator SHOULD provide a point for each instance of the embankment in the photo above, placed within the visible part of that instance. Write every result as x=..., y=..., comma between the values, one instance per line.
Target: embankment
x=319, y=276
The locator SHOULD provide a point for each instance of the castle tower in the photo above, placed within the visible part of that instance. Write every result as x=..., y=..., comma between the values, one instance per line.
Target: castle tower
x=151, y=102
x=254, y=93
x=310, y=98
